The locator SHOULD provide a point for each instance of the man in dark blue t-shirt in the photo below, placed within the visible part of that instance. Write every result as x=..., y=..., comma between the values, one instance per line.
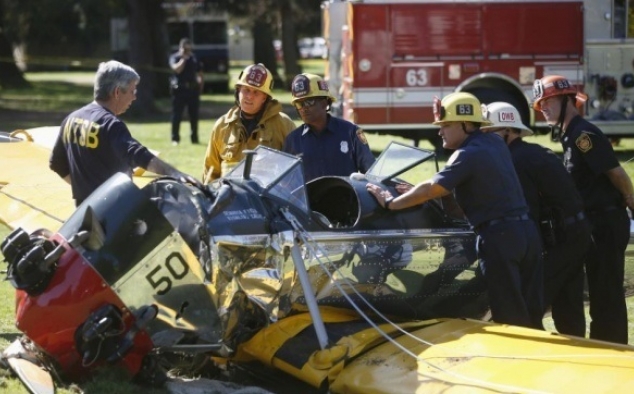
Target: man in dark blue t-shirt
x=327, y=145
x=481, y=174
x=93, y=144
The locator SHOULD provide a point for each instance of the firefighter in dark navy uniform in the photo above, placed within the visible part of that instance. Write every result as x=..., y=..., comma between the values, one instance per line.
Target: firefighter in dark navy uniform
x=607, y=192
x=186, y=85
x=481, y=174
x=327, y=145
x=93, y=144
x=556, y=206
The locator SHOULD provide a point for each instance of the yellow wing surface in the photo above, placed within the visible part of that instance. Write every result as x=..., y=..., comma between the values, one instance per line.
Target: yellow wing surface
x=441, y=356
x=31, y=195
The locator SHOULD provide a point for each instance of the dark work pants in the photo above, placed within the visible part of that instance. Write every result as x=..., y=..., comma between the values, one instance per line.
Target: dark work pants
x=605, y=271
x=511, y=261
x=564, y=279
x=181, y=98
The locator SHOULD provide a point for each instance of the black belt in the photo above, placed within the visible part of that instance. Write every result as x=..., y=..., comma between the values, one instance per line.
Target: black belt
x=187, y=85
x=517, y=218
x=600, y=210
x=574, y=219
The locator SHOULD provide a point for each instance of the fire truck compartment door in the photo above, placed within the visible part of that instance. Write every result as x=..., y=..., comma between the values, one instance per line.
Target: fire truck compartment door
x=411, y=91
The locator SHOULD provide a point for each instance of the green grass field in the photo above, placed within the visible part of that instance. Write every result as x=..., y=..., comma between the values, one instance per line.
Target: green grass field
x=71, y=91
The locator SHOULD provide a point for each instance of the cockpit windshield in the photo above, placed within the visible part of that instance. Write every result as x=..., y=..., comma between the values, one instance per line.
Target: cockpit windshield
x=277, y=173
x=397, y=160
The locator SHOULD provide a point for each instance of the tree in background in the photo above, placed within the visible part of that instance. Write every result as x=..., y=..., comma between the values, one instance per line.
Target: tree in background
x=10, y=75
x=148, y=52
x=54, y=32
x=270, y=18
x=65, y=34
x=262, y=16
x=289, y=43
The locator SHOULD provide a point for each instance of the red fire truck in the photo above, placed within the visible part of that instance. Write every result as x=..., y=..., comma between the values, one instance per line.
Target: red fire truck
x=609, y=65
x=388, y=59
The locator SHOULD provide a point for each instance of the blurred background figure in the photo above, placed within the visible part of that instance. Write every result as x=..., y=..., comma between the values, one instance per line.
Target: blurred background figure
x=185, y=85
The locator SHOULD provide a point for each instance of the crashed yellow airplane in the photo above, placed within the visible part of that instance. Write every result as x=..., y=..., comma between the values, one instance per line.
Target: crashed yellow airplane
x=264, y=274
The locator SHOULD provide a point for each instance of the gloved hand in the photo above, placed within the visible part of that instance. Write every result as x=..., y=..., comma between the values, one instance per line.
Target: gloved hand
x=358, y=176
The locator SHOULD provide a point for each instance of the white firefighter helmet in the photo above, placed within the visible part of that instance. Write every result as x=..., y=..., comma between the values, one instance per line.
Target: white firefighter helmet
x=504, y=115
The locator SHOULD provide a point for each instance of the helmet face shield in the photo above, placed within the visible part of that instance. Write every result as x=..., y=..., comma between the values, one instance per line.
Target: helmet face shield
x=439, y=111
x=538, y=90
x=305, y=103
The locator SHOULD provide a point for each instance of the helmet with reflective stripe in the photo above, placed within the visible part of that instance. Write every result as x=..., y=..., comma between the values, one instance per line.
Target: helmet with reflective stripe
x=309, y=85
x=459, y=107
x=258, y=77
x=555, y=85
x=504, y=115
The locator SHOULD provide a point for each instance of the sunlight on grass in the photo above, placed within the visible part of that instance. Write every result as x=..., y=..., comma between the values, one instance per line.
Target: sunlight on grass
x=76, y=77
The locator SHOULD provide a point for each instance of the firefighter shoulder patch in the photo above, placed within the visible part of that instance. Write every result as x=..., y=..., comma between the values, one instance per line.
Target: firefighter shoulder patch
x=361, y=137
x=583, y=142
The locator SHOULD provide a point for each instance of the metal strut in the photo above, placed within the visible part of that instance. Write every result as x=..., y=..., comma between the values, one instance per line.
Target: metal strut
x=300, y=267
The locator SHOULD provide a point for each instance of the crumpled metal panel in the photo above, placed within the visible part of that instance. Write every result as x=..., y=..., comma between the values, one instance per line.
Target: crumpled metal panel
x=421, y=275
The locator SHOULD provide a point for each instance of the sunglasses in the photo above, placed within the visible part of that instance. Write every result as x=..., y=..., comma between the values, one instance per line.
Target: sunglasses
x=305, y=103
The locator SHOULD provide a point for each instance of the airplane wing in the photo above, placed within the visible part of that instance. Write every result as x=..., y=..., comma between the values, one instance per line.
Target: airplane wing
x=31, y=195
x=439, y=356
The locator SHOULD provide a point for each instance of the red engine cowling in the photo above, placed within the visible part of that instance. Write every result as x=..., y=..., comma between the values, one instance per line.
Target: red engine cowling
x=56, y=320
x=91, y=293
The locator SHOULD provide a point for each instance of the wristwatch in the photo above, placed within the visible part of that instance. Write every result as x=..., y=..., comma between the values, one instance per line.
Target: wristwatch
x=388, y=201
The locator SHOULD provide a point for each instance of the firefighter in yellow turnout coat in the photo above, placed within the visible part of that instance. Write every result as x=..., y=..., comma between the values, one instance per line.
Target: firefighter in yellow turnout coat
x=256, y=119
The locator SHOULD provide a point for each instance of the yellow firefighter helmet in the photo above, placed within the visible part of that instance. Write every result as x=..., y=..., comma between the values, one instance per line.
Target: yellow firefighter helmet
x=258, y=77
x=459, y=107
x=310, y=85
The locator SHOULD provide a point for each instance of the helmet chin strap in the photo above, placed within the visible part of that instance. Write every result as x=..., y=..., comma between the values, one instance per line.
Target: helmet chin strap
x=507, y=133
x=464, y=128
x=556, y=129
